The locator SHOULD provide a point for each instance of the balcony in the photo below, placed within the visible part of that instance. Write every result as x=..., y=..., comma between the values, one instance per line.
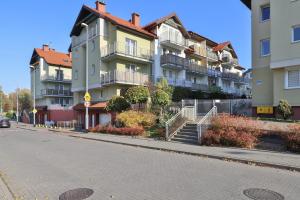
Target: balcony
x=173, y=40
x=199, y=50
x=118, y=49
x=234, y=77
x=177, y=82
x=227, y=61
x=57, y=79
x=177, y=62
x=124, y=77
x=56, y=93
x=212, y=56
x=173, y=61
x=202, y=87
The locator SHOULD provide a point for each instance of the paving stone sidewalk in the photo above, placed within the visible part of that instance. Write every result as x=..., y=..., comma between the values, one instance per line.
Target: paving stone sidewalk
x=282, y=160
x=265, y=158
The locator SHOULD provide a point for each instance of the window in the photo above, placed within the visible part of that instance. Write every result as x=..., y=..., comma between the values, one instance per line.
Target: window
x=76, y=74
x=165, y=73
x=93, y=71
x=265, y=13
x=101, y=94
x=130, y=47
x=67, y=101
x=296, y=34
x=131, y=67
x=265, y=47
x=293, y=77
x=170, y=74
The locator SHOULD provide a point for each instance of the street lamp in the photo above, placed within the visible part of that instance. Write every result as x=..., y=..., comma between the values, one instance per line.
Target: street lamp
x=17, y=105
x=32, y=67
x=86, y=74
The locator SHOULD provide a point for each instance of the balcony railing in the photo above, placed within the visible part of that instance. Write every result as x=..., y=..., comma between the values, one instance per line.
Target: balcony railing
x=177, y=82
x=57, y=79
x=118, y=48
x=174, y=60
x=200, y=50
x=230, y=61
x=124, y=77
x=176, y=39
x=212, y=55
x=202, y=87
x=55, y=92
x=182, y=63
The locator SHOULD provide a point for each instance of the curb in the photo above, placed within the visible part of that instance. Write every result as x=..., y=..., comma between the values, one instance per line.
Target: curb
x=232, y=159
x=7, y=188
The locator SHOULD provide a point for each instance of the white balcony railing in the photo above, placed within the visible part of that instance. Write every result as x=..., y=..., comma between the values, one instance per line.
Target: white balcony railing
x=64, y=78
x=126, y=50
x=124, y=77
x=212, y=55
x=173, y=38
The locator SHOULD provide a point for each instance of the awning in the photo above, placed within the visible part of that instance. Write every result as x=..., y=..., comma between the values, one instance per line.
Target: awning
x=94, y=106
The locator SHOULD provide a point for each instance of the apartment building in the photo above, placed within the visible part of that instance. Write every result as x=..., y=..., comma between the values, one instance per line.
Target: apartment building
x=248, y=86
x=51, y=78
x=275, y=54
x=123, y=53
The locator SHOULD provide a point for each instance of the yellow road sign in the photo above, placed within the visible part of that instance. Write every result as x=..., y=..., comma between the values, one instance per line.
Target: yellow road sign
x=34, y=111
x=87, y=97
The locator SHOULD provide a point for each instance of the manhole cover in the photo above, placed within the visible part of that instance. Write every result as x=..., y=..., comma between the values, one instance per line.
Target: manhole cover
x=262, y=194
x=77, y=194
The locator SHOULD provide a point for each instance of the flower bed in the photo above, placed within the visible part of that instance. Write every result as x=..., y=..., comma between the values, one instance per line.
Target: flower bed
x=292, y=138
x=136, y=131
x=233, y=131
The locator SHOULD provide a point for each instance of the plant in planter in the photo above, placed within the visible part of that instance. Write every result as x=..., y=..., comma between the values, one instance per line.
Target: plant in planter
x=284, y=109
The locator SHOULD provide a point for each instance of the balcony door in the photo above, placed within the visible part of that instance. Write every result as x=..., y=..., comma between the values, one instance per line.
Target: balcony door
x=131, y=47
x=59, y=75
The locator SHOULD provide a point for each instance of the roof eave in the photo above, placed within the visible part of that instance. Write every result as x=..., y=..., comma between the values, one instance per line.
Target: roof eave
x=247, y=3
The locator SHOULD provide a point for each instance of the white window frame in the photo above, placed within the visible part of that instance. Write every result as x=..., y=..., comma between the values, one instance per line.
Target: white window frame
x=293, y=32
x=286, y=79
x=261, y=47
x=261, y=13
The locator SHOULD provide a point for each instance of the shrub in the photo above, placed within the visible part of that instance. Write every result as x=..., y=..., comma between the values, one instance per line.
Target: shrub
x=284, y=109
x=136, y=131
x=180, y=93
x=293, y=138
x=216, y=92
x=117, y=104
x=164, y=86
x=234, y=131
x=137, y=94
x=135, y=119
x=160, y=98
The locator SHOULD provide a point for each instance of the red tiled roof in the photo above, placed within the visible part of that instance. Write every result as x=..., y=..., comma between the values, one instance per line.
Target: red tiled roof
x=221, y=46
x=55, y=58
x=121, y=22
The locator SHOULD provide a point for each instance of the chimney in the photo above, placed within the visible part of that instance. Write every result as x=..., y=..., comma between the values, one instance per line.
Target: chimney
x=135, y=19
x=100, y=6
x=70, y=54
x=46, y=47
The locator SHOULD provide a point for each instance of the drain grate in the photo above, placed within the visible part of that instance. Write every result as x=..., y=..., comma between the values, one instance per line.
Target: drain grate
x=77, y=194
x=262, y=194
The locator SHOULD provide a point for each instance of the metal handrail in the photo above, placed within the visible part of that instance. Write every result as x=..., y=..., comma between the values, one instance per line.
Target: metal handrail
x=212, y=112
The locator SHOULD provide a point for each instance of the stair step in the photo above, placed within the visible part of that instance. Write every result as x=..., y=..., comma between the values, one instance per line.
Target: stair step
x=186, y=141
x=187, y=132
x=186, y=128
x=192, y=137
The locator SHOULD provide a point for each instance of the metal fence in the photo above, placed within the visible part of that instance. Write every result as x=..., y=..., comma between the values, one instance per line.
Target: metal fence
x=242, y=107
x=205, y=122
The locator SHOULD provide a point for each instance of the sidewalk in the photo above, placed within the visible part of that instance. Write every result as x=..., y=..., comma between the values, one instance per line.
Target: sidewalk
x=280, y=160
x=287, y=161
x=5, y=194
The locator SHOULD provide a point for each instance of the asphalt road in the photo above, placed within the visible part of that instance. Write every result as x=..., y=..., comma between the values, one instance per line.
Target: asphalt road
x=42, y=165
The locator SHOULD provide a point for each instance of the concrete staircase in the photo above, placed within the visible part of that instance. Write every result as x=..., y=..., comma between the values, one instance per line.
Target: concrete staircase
x=188, y=134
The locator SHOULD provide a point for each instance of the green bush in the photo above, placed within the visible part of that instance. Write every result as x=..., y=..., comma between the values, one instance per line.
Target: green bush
x=137, y=94
x=284, y=109
x=164, y=86
x=9, y=115
x=160, y=98
x=117, y=104
x=180, y=93
x=135, y=119
x=216, y=93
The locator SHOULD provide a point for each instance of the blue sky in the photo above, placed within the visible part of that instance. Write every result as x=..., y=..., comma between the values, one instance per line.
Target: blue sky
x=31, y=23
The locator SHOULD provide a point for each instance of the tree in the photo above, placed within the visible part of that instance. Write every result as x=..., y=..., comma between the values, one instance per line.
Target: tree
x=25, y=99
x=164, y=86
x=160, y=98
x=216, y=93
x=139, y=94
x=117, y=104
x=284, y=109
